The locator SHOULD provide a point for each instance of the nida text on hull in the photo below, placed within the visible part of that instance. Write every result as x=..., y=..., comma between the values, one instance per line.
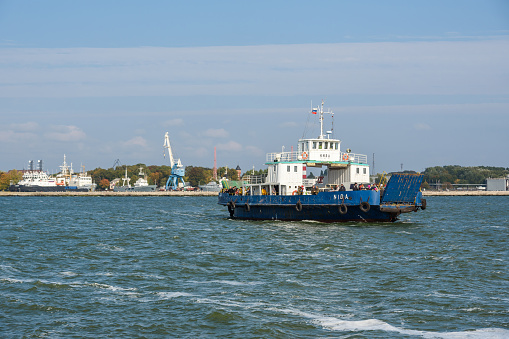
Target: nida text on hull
x=343, y=194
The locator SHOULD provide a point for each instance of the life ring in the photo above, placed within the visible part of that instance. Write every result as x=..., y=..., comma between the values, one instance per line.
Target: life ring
x=304, y=155
x=365, y=206
x=295, y=192
x=247, y=207
x=298, y=206
x=345, y=156
x=342, y=209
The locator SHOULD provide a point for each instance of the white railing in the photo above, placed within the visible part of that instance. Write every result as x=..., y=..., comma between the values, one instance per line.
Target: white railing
x=283, y=156
x=294, y=156
x=254, y=179
x=352, y=157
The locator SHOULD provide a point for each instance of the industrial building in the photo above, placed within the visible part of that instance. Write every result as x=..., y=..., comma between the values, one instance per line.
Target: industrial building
x=497, y=184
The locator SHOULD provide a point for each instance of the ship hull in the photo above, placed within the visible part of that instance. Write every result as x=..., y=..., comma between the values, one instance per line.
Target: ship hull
x=362, y=206
x=323, y=213
x=149, y=188
x=30, y=188
x=402, y=195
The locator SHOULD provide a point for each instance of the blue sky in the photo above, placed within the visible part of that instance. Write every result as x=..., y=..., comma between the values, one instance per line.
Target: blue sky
x=419, y=84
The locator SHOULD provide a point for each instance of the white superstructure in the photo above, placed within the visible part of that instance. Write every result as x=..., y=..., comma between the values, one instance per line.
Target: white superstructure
x=287, y=171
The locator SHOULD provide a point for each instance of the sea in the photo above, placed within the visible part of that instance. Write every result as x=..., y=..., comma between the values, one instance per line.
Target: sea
x=178, y=267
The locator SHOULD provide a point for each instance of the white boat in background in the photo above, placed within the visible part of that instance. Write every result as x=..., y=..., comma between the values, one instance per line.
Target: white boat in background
x=141, y=185
x=36, y=180
x=211, y=187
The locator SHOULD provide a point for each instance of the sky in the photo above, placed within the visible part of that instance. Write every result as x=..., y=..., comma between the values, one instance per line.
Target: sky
x=412, y=84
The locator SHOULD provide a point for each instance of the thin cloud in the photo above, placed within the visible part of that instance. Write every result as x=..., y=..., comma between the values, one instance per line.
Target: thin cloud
x=136, y=141
x=173, y=122
x=65, y=133
x=25, y=127
x=16, y=137
x=232, y=146
x=427, y=67
x=216, y=133
x=256, y=151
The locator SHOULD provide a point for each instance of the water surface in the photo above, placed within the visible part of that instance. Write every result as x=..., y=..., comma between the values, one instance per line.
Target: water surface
x=178, y=267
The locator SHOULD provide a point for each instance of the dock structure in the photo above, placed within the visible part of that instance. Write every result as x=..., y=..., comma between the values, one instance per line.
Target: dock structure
x=463, y=193
x=112, y=194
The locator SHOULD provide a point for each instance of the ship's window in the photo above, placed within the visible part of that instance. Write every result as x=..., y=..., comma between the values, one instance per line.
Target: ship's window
x=337, y=145
x=364, y=170
x=320, y=145
x=295, y=168
x=357, y=170
x=325, y=145
x=314, y=144
x=288, y=168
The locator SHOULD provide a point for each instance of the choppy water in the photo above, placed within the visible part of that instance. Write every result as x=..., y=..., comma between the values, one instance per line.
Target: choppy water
x=177, y=267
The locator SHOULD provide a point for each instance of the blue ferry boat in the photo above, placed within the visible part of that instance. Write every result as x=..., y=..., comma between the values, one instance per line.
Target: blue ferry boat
x=344, y=194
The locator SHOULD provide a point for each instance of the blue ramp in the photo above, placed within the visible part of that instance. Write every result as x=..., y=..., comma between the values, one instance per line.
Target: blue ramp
x=402, y=188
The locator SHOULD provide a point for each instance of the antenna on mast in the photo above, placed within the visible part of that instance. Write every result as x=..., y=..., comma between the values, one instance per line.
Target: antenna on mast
x=321, y=111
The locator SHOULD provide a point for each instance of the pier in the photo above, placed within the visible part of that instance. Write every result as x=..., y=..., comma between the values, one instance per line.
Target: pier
x=463, y=193
x=112, y=194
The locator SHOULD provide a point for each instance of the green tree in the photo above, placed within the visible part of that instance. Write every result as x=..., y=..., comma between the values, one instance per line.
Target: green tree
x=155, y=178
x=463, y=175
x=197, y=175
x=6, y=179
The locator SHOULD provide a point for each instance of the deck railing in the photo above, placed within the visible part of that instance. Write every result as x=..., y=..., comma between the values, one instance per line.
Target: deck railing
x=294, y=156
x=255, y=179
x=283, y=156
x=357, y=158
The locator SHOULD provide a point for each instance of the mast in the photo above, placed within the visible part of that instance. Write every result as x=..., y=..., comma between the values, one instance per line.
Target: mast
x=321, y=111
x=65, y=172
x=126, y=180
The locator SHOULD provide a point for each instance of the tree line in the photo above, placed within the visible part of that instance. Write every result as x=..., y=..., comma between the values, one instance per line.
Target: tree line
x=195, y=175
x=459, y=175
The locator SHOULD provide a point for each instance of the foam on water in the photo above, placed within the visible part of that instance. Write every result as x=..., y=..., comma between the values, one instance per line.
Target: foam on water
x=341, y=325
x=171, y=295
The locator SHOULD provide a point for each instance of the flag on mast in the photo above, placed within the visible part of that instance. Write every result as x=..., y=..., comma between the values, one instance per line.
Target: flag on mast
x=314, y=111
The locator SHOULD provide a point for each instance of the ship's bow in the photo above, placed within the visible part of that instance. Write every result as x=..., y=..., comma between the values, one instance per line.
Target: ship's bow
x=403, y=194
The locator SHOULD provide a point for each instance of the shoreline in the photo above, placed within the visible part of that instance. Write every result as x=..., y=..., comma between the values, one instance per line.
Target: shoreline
x=110, y=194
x=212, y=194
x=463, y=193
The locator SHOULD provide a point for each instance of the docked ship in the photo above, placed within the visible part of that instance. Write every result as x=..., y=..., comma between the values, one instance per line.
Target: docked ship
x=345, y=193
x=212, y=186
x=37, y=180
x=141, y=185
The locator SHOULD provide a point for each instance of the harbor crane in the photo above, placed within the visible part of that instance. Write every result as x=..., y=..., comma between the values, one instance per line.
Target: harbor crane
x=177, y=169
